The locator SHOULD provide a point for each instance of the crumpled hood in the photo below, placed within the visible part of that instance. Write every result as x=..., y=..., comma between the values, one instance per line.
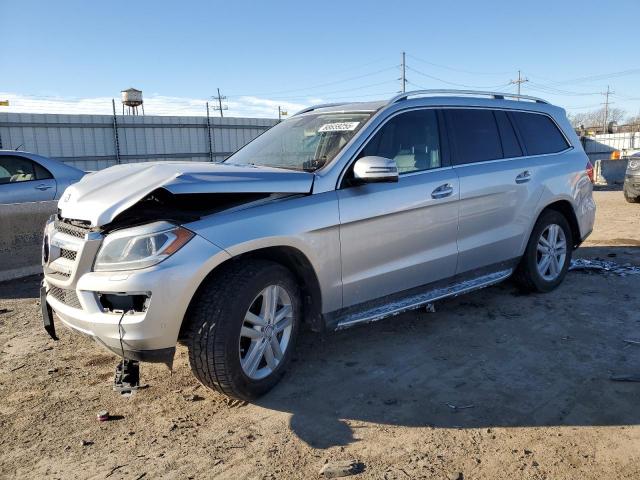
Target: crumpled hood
x=99, y=197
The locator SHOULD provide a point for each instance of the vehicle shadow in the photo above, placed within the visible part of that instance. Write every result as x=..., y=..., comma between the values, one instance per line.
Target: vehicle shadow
x=496, y=357
x=25, y=287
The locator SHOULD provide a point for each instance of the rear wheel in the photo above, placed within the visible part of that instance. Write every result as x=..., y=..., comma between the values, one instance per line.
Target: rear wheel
x=548, y=254
x=243, y=328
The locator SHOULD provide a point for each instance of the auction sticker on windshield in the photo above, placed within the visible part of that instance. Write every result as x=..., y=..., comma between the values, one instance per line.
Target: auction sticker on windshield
x=339, y=127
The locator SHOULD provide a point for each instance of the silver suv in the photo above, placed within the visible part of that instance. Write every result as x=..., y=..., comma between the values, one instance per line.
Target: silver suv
x=343, y=214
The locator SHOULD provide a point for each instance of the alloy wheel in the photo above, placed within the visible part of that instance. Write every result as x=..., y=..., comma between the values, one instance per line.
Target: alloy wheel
x=266, y=332
x=551, y=252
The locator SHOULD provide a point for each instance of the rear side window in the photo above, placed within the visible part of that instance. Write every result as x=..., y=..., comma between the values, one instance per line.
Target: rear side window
x=539, y=133
x=15, y=169
x=474, y=134
x=510, y=145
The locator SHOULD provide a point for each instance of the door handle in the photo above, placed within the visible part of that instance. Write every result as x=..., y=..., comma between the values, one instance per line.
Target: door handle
x=523, y=177
x=442, y=191
x=43, y=187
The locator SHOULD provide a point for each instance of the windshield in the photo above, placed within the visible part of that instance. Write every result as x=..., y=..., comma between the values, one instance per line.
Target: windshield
x=307, y=142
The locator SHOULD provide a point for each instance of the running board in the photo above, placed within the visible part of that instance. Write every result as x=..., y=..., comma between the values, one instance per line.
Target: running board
x=415, y=301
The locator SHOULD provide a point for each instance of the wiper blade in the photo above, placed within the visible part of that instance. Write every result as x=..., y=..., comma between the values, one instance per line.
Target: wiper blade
x=313, y=164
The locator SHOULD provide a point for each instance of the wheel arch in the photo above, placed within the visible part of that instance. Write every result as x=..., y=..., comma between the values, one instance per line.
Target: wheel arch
x=291, y=258
x=565, y=208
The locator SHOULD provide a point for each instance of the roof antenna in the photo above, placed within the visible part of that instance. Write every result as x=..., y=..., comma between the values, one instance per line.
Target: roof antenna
x=19, y=146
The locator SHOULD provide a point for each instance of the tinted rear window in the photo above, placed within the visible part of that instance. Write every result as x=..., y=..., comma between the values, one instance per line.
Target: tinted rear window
x=510, y=145
x=474, y=134
x=539, y=133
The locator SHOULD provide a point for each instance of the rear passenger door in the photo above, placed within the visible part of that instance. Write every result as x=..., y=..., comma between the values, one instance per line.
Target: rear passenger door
x=497, y=194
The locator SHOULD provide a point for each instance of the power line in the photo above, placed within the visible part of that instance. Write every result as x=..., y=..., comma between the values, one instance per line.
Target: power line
x=454, y=83
x=593, y=78
x=454, y=69
x=357, y=77
x=558, y=91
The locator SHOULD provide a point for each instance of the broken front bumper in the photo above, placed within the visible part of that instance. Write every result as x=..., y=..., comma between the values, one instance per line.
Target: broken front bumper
x=139, y=312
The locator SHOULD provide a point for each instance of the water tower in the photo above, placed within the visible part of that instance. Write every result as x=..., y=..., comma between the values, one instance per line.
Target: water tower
x=132, y=99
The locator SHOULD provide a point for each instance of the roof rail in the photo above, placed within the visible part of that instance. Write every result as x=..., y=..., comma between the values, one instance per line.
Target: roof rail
x=496, y=95
x=315, y=107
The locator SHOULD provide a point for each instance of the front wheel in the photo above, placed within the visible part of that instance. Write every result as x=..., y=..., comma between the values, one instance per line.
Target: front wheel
x=631, y=199
x=548, y=254
x=243, y=327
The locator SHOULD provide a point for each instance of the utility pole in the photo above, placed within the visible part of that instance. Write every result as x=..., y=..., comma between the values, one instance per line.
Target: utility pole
x=403, y=78
x=606, y=109
x=116, y=141
x=281, y=113
x=220, y=106
x=209, y=134
x=519, y=82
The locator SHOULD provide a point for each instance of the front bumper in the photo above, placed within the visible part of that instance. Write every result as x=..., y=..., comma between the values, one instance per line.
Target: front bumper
x=149, y=334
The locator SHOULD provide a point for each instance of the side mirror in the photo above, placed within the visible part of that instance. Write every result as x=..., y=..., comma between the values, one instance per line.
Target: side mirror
x=375, y=169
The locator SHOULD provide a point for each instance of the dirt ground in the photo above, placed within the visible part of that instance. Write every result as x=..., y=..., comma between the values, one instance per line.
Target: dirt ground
x=530, y=375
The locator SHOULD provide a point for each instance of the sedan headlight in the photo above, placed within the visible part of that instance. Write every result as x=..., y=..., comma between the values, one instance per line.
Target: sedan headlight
x=140, y=247
x=633, y=165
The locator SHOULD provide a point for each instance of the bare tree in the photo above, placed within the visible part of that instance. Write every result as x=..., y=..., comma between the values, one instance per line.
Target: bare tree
x=595, y=118
x=633, y=119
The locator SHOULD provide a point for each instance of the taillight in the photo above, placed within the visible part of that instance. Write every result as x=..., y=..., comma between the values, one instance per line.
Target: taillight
x=615, y=155
x=589, y=170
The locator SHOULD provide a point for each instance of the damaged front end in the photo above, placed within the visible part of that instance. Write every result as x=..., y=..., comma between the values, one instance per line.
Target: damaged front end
x=119, y=264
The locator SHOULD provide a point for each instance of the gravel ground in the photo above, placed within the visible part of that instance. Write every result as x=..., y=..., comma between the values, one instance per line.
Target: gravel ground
x=495, y=384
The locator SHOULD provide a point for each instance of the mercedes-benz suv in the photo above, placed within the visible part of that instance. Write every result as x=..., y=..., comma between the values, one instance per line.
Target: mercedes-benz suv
x=341, y=215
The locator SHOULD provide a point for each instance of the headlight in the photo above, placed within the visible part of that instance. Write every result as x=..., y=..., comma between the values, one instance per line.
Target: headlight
x=633, y=165
x=140, y=247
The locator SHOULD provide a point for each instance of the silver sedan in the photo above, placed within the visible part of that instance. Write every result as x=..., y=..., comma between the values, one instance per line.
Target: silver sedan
x=27, y=177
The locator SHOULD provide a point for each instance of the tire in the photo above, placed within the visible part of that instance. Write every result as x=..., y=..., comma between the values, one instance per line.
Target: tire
x=218, y=316
x=631, y=199
x=528, y=274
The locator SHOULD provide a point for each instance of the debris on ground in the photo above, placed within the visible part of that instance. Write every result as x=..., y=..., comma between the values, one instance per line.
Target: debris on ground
x=603, y=266
x=626, y=378
x=86, y=443
x=102, y=416
x=341, y=469
x=193, y=398
x=632, y=342
x=459, y=407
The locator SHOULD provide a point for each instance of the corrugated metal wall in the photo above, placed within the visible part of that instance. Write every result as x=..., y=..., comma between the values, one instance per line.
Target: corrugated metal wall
x=88, y=141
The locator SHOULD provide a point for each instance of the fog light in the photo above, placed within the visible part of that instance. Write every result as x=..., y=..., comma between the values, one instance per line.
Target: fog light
x=123, y=302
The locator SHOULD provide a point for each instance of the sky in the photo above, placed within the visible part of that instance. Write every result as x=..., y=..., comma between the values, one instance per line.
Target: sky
x=68, y=56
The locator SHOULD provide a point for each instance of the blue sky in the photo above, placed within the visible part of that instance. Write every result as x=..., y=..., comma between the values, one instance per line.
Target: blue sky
x=76, y=55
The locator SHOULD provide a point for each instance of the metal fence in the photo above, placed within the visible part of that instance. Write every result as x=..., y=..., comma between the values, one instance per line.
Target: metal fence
x=625, y=140
x=93, y=142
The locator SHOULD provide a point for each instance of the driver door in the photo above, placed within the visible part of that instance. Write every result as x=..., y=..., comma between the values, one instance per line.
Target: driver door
x=396, y=236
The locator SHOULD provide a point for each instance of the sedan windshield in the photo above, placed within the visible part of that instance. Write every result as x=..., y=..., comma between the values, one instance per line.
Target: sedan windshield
x=307, y=142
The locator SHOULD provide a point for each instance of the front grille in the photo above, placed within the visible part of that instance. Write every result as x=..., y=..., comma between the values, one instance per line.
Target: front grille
x=68, y=297
x=73, y=229
x=59, y=275
x=68, y=254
